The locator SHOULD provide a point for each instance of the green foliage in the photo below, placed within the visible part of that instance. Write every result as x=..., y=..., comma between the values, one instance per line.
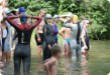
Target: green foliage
x=96, y=10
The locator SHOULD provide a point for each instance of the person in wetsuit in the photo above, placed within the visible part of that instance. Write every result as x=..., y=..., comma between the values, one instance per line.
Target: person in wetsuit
x=85, y=39
x=48, y=31
x=24, y=31
x=76, y=29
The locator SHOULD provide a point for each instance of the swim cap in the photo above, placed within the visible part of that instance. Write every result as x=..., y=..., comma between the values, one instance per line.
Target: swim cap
x=48, y=16
x=75, y=18
x=22, y=9
x=55, y=16
x=70, y=14
x=24, y=18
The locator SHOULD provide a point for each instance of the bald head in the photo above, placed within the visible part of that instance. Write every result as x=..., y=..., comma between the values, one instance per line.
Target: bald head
x=42, y=13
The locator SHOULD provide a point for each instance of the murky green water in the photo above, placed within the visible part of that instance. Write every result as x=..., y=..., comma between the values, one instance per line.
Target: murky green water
x=98, y=64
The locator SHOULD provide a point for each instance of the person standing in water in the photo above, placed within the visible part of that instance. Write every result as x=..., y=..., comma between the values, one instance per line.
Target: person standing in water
x=65, y=32
x=52, y=63
x=39, y=32
x=24, y=30
x=49, y=41
x=85, y=39
x=76, y=29
x=6, y=42
x=1, y=19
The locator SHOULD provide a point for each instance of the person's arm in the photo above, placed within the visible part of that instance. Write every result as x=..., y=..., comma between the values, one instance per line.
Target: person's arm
x=48, y=65
x=36, y=31
x=61, y=19
x=12, y=22
x=83, y=38
x=38, y=20
x=65, y=22
x=61, y=32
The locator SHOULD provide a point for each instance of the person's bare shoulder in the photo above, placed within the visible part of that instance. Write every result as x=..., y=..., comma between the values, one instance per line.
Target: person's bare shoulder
x=50, y=61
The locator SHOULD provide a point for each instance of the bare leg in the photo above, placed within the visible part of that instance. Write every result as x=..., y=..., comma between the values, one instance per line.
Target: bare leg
x=1, y=63
x=40, y=49
x=4, y=57
x=8, y=56
x=87, y=54
x=0, y=53
x=67, y=49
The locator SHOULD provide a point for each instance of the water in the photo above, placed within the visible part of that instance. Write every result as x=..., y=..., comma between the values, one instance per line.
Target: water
x=98, y=64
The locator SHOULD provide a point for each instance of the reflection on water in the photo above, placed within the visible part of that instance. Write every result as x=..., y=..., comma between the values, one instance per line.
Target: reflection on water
x=65, y=67
x=84, y=67
x=98, y=63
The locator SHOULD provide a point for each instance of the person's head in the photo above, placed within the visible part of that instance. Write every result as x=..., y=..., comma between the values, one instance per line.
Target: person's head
x=4, y=3
x=22, y=10
x=56, y=18
x=48, y=18
x=23, y=18
x=75, y=19
x=56, y=51
x=86, y=22
x=15, y=11
x=42, y=13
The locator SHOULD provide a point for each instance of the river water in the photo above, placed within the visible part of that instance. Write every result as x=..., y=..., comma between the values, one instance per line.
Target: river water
x=98, y=63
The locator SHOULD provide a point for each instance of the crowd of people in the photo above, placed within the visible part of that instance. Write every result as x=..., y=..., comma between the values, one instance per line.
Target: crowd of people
x=17, y=25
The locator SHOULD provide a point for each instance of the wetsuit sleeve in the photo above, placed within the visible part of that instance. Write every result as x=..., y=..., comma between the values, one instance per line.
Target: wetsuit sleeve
x=38, y=20
x=12, y=22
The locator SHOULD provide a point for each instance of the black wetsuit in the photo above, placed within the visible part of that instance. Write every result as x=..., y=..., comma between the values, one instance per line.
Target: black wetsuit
x=22, y=50
x=48, y=40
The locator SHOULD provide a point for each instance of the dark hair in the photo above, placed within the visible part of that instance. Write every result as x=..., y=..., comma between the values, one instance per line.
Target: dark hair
x=56, y=49
x=13, y=12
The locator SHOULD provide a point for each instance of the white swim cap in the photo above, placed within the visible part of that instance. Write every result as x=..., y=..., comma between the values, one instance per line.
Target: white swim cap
x=48, y=16
x=55, y=16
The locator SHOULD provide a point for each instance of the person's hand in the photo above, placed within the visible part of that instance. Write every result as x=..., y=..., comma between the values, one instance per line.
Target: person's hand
x=39, y=40
x=29, y=16
x=49, y=46
x=21, y=14
x=83, y=50
x=85, y=47
x=4, y=14
x=1, y=18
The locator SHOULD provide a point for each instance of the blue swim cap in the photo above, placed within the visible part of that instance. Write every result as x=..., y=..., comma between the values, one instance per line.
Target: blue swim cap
x=22, y=9
x=24, y=18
